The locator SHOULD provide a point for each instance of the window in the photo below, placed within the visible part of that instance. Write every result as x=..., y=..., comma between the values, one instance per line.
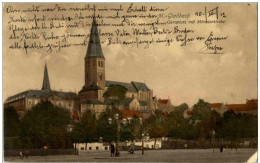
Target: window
x=90, y=148
x=82, y=148
x=97, y=148
x=99, y=64
x=105, y=148
x=30, y=102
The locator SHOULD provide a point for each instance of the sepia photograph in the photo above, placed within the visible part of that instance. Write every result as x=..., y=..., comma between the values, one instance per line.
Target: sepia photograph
x=130, y=82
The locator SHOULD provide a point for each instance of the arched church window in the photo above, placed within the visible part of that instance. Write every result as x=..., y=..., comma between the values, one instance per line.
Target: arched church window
x=101, y=63
x=100, y=76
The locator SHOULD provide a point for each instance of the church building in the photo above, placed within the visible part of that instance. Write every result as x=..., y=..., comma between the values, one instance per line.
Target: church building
x=138, y=95
x=24, y=101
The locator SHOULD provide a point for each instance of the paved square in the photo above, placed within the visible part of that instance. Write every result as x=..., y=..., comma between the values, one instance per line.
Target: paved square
x=178, y=155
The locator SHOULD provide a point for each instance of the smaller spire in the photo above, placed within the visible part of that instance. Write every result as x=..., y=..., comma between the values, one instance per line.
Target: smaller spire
x=46, y=82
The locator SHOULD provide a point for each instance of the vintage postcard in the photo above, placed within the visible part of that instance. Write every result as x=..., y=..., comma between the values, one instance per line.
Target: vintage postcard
x=130, y=82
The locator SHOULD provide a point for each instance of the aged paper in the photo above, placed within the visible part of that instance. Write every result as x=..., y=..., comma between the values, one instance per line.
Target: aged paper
x=181, y=52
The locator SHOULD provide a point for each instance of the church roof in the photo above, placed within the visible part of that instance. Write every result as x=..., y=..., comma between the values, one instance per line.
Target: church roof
x=94, y=45
x=46, y=82
x=128, y=86
x=90, y=87
x=131, y=87
x=43, y=94
x=140, y=86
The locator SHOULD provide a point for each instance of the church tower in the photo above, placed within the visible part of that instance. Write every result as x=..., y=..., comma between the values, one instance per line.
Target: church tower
x=46, y=82
x=94, y=60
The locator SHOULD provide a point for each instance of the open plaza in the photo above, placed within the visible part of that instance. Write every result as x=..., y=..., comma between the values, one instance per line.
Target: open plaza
x=179, y=155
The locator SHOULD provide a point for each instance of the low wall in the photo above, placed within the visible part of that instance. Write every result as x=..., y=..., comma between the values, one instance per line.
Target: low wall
x=198, y=144
x=39, y=152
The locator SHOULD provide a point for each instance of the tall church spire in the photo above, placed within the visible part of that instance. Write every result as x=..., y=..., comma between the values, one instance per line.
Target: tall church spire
x=46, y=82
x=94, y=45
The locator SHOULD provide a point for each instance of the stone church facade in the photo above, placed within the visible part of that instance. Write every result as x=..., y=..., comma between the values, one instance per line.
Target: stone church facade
x=138, y=95
x=24, y=101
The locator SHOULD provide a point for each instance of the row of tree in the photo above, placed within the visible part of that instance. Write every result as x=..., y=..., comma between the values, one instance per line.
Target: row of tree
x=52, y=126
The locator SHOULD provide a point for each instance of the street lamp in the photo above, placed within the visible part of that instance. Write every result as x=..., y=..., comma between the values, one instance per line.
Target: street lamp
x=117, y=132
x=213, y=134
x=142, y=143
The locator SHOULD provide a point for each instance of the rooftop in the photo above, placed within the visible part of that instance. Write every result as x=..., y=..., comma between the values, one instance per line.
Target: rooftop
x=94, y=45
x=130, y=113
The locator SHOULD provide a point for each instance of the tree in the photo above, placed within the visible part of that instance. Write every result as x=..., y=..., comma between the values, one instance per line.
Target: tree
x=11, y=128
x=126, y=134
x=40, y=124
x=11, y=122
x=155, y=125
x=176, y=120
x=136, y=127
x=104, y=129
x=248, y=124
x=85, y=130
x=202, y=115
x=155, y=132
x=117, y=91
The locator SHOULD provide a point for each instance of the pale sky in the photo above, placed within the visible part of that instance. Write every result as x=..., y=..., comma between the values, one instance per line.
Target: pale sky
x=176, y=72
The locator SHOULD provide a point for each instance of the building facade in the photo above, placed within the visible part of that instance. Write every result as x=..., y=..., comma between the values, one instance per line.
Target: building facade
x=24, y=101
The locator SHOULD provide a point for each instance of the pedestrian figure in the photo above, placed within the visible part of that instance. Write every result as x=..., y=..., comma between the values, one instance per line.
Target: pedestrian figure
x=221, y=149
x=112, y=148
x=21, y=155
x=131, y=150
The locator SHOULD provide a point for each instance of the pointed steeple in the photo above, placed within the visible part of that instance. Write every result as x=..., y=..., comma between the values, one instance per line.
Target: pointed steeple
x=94, y=45
x=46, y=82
